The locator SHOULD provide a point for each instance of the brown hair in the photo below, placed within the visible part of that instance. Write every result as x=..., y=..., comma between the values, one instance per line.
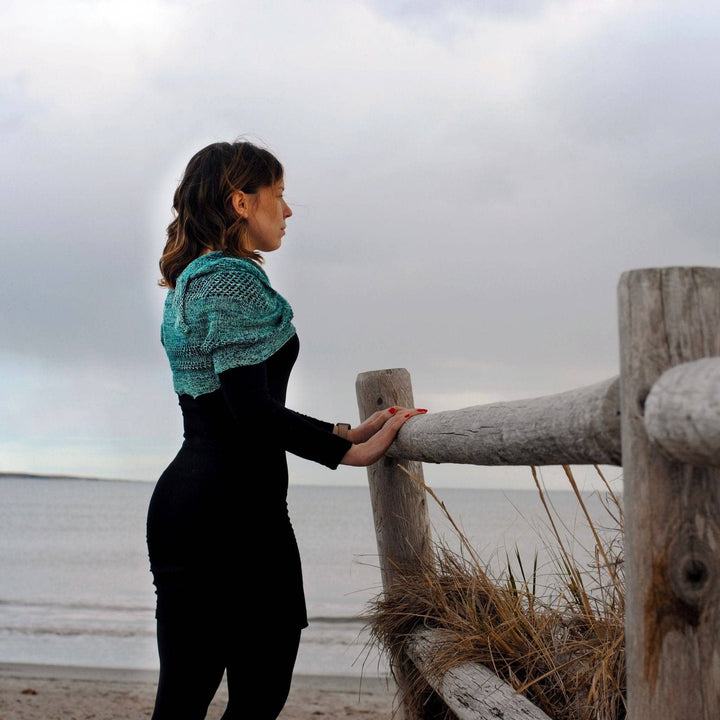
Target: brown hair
x=204, y=215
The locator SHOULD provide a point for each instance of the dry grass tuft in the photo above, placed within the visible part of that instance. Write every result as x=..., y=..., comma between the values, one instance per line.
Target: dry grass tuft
x=559, y=640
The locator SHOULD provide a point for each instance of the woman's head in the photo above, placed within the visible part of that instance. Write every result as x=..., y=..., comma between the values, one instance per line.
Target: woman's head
x=214, y=201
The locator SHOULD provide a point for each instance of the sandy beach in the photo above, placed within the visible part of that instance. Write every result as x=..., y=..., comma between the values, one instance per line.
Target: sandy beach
x=44, y=692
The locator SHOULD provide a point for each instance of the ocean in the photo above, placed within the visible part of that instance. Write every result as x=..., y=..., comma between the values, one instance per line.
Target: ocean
x=75, y=586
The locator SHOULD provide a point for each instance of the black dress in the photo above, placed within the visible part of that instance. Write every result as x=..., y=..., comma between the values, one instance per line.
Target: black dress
x=220, y=540
x=219, y=511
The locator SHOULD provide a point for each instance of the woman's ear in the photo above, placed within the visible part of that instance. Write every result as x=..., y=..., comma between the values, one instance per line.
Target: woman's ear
x=240, y=204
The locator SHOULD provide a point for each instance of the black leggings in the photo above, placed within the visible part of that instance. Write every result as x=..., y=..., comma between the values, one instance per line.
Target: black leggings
x=196, y=647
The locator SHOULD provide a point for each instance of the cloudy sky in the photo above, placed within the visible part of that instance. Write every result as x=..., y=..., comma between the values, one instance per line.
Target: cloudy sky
x=468, y=180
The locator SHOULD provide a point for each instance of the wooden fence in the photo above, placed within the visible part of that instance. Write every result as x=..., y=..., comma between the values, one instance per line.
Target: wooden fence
x=660, y=420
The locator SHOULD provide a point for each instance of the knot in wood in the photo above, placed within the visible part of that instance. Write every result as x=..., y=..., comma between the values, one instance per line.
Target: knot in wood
x=691, y=574
x=695, y=572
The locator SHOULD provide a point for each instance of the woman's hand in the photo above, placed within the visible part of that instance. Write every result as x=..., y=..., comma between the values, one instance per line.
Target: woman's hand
x=363, y=432
x=373, y=437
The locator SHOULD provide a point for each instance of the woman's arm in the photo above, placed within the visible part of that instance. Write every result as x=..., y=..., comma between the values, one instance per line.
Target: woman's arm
x=246, y=392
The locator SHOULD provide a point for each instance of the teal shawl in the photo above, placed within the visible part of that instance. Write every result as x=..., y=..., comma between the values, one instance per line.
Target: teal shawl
x=221, y=314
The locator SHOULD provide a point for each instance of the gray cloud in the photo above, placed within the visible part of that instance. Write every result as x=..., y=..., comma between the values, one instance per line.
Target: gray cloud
x=462, y=208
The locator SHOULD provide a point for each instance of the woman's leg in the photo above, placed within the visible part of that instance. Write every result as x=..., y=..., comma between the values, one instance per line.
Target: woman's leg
x=260, y=672
x=192, y=658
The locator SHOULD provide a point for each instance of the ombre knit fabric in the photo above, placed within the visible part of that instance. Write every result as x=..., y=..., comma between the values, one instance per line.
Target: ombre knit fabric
x=222, y=314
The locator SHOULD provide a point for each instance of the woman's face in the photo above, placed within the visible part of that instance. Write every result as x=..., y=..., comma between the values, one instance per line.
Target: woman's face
x=267, y=213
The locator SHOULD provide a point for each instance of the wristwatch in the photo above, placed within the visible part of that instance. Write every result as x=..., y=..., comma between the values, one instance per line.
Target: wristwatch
x=343, y=429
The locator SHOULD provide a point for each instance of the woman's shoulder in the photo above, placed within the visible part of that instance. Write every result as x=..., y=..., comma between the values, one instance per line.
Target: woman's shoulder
x=216, y=275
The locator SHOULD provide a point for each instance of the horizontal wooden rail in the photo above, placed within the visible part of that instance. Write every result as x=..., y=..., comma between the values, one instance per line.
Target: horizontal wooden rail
x=472, y=691
x=577, y=427
x=682, y=412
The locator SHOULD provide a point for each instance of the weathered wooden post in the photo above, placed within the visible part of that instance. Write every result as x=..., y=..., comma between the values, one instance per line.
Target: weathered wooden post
x=672, y=510
x=399, y=505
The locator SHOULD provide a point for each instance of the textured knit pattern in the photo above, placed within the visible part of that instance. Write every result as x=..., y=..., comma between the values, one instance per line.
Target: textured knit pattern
x=222, y=314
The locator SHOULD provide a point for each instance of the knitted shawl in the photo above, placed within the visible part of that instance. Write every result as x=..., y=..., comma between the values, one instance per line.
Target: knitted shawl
x=221, y=314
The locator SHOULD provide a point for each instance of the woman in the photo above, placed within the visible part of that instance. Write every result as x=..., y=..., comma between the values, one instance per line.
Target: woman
x=222, y=551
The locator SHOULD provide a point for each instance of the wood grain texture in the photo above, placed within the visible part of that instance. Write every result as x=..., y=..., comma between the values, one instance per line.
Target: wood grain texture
x=472, y=691
x=402, y=525
x=672, y=511
x=399, y=504
x=682, y=412
x=580, y=426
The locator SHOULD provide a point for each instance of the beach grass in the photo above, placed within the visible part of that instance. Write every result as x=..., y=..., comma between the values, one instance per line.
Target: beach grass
x=556, y=635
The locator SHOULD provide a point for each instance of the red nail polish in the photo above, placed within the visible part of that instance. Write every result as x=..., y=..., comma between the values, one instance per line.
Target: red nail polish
x=422, y=410
x=408, y=415
x=392, y=410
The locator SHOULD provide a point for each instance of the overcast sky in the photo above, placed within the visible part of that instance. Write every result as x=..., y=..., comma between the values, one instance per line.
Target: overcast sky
x=468, y=181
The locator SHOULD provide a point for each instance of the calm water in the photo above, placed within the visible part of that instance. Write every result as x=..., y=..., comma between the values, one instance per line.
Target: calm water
x=75, y=587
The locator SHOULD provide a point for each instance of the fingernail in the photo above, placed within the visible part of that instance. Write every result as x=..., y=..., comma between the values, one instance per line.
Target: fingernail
x=422, y=410
x=408, y=415
x=392, y=410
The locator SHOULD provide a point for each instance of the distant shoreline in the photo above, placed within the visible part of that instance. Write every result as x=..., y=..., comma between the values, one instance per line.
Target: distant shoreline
x=7, y=475
x=49, y=476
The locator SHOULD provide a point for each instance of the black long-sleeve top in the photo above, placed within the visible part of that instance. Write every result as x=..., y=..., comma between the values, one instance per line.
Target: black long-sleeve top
x=220, y=508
